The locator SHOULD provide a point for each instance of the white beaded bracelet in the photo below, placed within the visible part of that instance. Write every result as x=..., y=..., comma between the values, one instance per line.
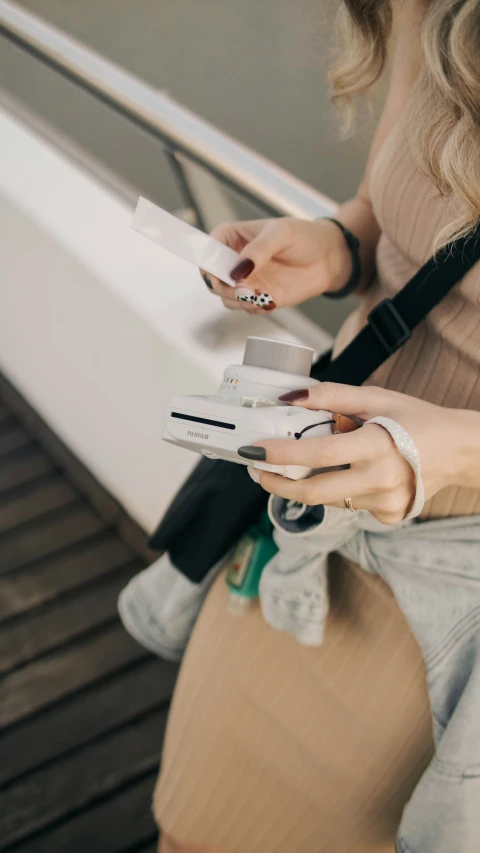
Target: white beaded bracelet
x=408, y=449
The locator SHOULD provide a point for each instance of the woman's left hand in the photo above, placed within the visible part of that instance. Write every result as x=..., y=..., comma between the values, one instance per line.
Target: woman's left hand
x=379, y=479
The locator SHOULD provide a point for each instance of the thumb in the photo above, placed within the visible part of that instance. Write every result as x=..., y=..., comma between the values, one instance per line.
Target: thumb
x=363, y=402
x=255, y=254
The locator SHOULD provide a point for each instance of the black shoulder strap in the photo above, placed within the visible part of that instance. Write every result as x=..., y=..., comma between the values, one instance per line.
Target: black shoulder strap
x=392, y=321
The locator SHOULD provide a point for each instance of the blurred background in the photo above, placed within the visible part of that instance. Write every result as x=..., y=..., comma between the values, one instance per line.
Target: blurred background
x=256, y=70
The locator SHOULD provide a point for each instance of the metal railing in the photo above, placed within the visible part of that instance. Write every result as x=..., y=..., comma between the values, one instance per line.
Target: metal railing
x=188, y=140
x=208, y=164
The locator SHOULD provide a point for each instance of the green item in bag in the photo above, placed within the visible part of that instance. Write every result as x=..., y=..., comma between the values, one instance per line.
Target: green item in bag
x=246, y=563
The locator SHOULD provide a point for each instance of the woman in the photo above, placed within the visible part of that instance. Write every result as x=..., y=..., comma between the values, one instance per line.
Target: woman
x=272, y=746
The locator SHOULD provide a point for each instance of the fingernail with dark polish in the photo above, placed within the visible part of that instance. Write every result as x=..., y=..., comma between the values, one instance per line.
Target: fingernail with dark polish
x=242, y=269
x=208, y=281
x=249, y=451
x=270, y=307
x=293, y=396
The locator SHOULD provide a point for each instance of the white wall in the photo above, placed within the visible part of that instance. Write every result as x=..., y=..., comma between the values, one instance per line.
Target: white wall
x=98, y=326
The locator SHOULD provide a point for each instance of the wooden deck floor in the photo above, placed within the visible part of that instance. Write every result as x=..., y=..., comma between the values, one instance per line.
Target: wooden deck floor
x=82, y=707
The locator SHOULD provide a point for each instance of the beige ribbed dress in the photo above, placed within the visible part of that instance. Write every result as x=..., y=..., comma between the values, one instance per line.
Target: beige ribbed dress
x=277, y=748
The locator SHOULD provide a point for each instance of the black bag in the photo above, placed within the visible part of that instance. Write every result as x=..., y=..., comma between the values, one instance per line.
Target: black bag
x=219, y=501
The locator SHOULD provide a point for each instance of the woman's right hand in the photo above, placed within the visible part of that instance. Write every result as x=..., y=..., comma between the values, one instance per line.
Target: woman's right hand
x=282, y=262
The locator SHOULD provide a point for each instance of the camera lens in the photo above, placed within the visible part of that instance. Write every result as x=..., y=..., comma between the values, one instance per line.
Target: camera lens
x=278, y=355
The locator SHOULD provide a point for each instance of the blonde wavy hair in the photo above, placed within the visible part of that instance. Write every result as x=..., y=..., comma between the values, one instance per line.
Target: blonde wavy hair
x=444, y=112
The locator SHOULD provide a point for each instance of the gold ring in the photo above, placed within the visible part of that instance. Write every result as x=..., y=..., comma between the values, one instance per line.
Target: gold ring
x=349, y=505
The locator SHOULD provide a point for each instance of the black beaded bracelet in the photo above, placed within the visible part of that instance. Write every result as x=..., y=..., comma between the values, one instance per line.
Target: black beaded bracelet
x=353, y=244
